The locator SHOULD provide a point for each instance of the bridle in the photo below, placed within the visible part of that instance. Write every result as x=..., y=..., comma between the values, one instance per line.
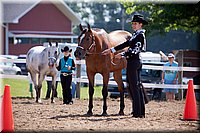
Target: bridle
x=53, y=59
x=93, y=44
x=87, y=50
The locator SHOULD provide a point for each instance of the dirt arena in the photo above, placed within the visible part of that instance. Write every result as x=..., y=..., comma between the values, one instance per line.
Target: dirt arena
x=160, y=116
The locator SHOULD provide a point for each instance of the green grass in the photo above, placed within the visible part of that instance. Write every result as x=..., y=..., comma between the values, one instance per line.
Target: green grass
x=20, y=88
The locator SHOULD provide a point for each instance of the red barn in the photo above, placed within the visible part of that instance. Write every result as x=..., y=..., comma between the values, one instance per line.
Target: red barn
x=32, y=23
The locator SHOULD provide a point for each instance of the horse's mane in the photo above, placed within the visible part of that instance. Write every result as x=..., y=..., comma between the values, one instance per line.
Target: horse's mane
x=99, y=31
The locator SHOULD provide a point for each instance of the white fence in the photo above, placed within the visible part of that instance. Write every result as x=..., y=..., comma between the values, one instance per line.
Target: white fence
x=146, y=85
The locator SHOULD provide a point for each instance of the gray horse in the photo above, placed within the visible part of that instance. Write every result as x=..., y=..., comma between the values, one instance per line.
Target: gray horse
x=41, y=61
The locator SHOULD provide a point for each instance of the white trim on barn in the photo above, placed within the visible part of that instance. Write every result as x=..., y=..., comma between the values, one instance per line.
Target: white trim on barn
x=41, y=32
x=16, y=20
x=42, y=36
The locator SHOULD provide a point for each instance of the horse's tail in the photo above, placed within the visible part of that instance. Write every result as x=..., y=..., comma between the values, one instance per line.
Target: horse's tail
x=28, y=58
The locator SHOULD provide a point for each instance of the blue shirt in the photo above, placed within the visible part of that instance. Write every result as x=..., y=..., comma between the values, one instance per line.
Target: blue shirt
x=65, y=64
x=170, y=75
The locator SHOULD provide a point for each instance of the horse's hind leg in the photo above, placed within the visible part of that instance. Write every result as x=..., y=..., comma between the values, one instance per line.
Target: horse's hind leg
x=122, y=105
x=118, y=78
x=35, y=82
x=105, y=92
x=40, y=79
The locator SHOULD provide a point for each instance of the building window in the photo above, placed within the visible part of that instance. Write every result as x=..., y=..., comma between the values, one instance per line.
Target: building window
x=25, y=40
x=35, y=41
x=67, y=40
x=19, y=40
x=43, y=40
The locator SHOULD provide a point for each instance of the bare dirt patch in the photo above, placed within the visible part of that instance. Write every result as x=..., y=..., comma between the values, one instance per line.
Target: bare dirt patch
x=160, y=116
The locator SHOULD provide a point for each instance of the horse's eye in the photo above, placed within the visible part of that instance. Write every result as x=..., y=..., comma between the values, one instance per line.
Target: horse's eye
x=56, y=52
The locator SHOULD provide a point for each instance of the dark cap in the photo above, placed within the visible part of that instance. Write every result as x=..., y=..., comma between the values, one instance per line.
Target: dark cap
x=66, y=48
x=139, y=18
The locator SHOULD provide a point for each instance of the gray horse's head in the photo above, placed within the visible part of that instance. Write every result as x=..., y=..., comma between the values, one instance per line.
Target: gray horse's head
x=53, y=54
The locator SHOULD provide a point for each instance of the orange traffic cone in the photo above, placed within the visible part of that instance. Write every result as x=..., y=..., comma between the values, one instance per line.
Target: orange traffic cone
x=190, y=112
x=7, y=116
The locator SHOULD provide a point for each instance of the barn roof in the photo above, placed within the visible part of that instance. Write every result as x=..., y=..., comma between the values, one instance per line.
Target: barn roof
x=13, y=11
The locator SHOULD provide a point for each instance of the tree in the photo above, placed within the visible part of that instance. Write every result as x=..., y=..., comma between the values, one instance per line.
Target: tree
x=107, y=15
x=167, y=16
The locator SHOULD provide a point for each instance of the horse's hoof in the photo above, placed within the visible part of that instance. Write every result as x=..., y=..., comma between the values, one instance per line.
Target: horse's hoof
x=38, y=101
x=104, y=114
x=89, y=113
x=52, y=101
x=121, y=112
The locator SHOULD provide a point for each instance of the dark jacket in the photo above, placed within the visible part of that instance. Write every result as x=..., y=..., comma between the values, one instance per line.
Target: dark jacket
x=136, y=44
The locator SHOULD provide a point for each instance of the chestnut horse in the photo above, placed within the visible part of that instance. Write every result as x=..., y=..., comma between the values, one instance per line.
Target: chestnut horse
x=91, y=43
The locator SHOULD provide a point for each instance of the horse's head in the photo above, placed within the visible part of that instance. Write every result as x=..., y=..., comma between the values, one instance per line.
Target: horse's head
x=86, y=42
x=53, y=54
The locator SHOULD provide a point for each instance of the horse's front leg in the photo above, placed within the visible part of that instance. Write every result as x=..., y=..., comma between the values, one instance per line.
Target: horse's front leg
x=91, y=93
x=53, y=88
x=105, y=92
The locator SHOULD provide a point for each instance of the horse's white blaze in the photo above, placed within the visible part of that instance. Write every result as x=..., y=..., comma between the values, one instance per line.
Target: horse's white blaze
x=82, y=36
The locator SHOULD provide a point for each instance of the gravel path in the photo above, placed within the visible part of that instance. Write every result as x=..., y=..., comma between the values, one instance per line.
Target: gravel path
x=160, y=116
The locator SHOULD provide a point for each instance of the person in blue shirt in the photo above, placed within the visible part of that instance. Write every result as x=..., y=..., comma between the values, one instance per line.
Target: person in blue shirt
x=170, y=77
x=66, y=67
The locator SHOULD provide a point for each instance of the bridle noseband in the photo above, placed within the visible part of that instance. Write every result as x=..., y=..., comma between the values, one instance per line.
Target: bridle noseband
x=53, y=58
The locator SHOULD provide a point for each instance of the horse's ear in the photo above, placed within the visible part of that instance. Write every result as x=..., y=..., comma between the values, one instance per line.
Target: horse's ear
x=88, y=26
x=56, y=44
x=50, y=44
x=80, y=27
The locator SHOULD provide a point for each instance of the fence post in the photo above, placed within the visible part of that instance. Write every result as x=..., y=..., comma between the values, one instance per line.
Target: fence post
x=78, y=83
x=180, y=74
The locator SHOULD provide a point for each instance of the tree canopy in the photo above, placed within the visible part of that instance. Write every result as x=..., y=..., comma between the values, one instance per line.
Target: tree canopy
x=163, y=18
x=107, y=15
x=168, y=16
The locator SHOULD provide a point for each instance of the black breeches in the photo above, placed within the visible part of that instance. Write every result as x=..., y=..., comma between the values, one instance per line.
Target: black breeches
x=135, y=92
x=66, y=90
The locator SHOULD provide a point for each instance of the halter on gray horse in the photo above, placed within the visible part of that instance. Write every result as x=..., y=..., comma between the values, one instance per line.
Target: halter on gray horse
x=41, y=61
